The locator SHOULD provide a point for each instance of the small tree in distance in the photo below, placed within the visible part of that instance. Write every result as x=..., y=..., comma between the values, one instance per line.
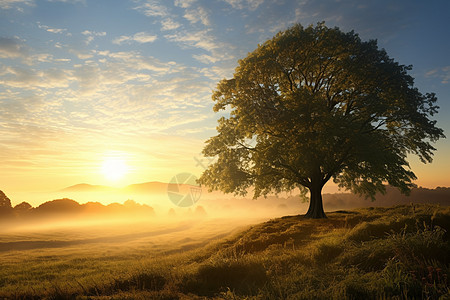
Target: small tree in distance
x=314, y=104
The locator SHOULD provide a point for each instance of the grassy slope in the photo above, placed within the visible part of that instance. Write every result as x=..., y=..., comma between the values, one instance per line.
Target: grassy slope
x=400, y=252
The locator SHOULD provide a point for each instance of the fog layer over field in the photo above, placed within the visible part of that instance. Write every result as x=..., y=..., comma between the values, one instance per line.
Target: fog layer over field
x=159, y=202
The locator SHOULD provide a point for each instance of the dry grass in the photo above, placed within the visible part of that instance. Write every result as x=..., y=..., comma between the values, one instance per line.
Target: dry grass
x=372, y=253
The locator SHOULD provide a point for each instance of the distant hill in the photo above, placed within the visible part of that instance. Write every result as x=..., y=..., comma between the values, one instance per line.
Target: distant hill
x=154, y=187
x=84, y=187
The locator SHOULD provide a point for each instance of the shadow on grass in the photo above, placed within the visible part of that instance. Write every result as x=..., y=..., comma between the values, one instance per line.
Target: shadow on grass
x=237, y=276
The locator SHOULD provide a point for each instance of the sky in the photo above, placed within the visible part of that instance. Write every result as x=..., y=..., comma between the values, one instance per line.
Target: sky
x=90, y=84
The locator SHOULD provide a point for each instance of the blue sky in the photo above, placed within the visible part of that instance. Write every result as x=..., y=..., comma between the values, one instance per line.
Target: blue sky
x=81, y=80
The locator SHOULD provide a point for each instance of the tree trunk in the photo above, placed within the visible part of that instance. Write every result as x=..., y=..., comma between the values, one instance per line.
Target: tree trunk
x=315, y=210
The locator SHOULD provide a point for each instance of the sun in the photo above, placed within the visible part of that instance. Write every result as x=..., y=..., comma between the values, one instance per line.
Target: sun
x=114, y=168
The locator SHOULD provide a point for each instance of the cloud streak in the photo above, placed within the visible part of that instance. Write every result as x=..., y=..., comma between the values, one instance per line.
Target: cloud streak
x=53, y=30
x=152, y=8
x=242, y=4
x=140, y=37
x=443, y=74
x=198, y=15
x=91, y=35
x=169, y=24
x=8, y=4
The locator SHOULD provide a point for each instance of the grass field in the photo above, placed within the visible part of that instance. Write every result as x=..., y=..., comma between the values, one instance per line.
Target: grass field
x=372, y=253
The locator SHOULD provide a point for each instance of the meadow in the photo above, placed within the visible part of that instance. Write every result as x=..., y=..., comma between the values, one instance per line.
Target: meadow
x=399, y=252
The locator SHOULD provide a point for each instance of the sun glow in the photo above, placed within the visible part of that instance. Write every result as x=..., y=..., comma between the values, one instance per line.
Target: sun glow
x=114, y=168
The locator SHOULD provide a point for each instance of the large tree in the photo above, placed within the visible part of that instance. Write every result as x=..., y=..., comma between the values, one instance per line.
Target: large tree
x=314, y=104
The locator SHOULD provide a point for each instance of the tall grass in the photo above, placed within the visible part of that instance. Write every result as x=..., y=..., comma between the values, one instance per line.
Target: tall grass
x=375, y=253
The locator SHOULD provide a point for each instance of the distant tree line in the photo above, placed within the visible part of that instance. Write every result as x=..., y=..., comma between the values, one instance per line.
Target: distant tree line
x=65, y=206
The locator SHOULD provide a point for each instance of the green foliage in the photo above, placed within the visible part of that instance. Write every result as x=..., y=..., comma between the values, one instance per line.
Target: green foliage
x=316, y=103
x=395, y=278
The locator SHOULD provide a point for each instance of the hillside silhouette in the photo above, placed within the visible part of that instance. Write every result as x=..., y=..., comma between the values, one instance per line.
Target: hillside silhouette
x=67, y=208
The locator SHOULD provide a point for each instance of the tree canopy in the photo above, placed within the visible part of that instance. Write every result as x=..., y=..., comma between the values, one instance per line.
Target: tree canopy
x=314, y=104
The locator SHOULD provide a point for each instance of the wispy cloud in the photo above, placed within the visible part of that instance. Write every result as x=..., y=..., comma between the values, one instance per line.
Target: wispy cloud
x=140, y=37
x=169, y=24
x=8, y=4
x=82, y=54
x=43, y=57
x=206, y=59
x=204, y=40
x=28, y=78
x=69, y=1
x=184, y=3
x=152, y=8
x=134, y=60
x=442, y=73
x=53, y=30
x=155, y=9
x=241, y=4
x=125, y=92
x=90, y=35
x=198, y=14
x=15, y=48
x=197, y=39
x=216, y=73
